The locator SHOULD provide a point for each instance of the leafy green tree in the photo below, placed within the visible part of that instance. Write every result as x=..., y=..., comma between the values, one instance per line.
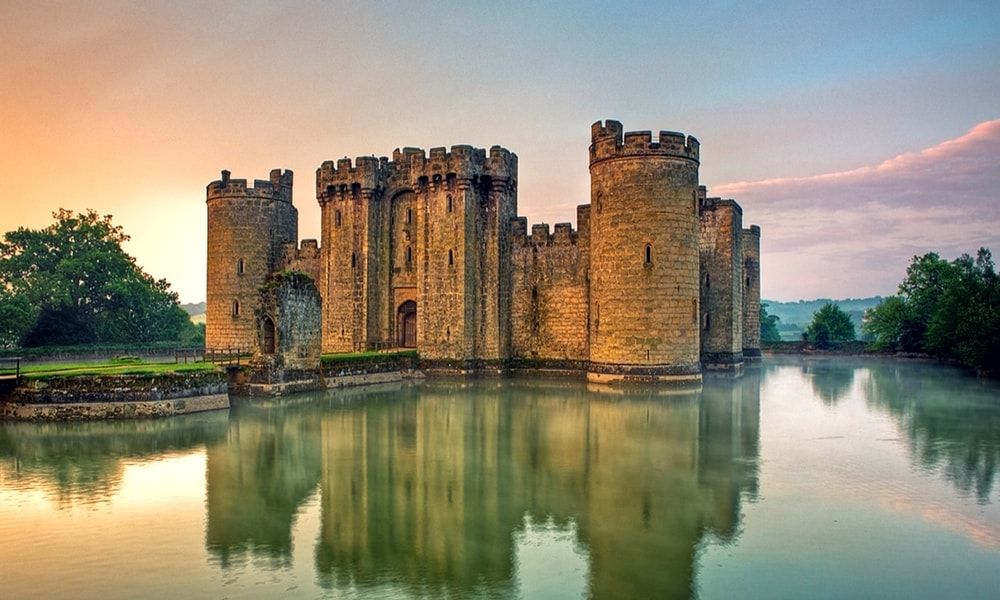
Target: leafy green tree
x=830, y=325
x=768, y=326
x=72, y=283
x=949, y=310
x=966, y=323
x=888, y=325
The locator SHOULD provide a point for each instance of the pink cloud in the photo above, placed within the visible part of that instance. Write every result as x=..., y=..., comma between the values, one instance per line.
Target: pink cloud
x=852, y=233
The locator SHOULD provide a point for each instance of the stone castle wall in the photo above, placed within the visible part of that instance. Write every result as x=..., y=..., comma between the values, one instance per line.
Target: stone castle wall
x=247, y=229
x=551, y=308
x=426, y=250
x=721, y=262
x=431, y=230
x=644, y=255
x=751, y=293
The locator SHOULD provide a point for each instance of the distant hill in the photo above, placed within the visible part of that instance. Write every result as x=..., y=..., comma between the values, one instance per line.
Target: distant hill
x=196, y=310
x=796, y=316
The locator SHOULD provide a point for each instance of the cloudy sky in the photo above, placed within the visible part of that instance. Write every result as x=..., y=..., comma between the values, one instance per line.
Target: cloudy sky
x=856, y=134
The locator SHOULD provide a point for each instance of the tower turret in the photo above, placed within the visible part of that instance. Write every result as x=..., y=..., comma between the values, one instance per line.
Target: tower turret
x=644, y=256
x=247, y=226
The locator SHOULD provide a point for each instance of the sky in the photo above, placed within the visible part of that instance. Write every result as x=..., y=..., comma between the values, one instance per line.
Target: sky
x=856, y=134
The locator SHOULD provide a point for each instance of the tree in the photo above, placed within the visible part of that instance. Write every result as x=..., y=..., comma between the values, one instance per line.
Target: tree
x=768, y=326
x=949, y=310
x=888, y=325
x=830, y=325
x=72, y=283
x=966, y=323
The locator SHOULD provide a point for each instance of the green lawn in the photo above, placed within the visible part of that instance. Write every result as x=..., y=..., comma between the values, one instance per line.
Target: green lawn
x=347, y=356
x=113, y=367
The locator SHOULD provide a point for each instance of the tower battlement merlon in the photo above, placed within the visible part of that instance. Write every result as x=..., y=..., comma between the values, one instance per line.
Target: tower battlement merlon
x=463, y=162
x=609, y=141
x=502, y=164
x=278, y=187
x=344, y=176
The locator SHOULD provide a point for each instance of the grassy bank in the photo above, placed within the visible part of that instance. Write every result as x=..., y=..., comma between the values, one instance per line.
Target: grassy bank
x=114, y=367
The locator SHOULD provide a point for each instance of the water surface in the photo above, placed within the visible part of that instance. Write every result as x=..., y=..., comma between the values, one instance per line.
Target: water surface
x=820, y=478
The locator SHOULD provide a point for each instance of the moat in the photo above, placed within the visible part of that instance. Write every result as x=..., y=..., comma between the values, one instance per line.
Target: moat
x=807, y=477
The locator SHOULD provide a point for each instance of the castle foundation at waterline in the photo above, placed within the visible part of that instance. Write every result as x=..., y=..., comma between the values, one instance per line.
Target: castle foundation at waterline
x=658, y=282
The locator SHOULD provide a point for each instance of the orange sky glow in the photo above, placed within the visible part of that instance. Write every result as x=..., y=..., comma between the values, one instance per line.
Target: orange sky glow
x=858, y=138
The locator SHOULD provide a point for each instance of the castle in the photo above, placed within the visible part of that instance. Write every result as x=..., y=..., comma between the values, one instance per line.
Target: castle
x=657, y=283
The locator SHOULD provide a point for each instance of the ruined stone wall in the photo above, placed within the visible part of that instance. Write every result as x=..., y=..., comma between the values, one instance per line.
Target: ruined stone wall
x=289, y=321
x=644, y=255
x=721, y=259
x=551, y=300
x=305, y=258
x=247, y=228
x=751, y=293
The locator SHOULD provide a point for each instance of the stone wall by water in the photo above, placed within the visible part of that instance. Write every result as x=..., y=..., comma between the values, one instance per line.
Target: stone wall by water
x=115, y=397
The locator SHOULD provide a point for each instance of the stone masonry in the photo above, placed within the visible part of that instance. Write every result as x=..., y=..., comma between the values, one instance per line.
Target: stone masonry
x=426, y=251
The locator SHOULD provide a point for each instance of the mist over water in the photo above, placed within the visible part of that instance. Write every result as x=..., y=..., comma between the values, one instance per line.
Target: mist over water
x=805, y=478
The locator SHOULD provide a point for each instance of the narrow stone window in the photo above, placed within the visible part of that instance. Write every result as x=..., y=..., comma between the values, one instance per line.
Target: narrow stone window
x=336, y=218
x=451, y=258
x=236, y=308
x=239, y=267
x=409, y=255
x=708, y=321
x=649, y=254
x=409, y=216
x=708, y=281
x=354, y=260
x=748, y=281
x=449, y=202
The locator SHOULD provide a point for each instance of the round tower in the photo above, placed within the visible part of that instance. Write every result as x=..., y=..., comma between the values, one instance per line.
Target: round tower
x=246, y=229
x=644, y=257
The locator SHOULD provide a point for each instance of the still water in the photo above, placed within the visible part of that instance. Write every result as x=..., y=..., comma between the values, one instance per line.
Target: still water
x=807, y=478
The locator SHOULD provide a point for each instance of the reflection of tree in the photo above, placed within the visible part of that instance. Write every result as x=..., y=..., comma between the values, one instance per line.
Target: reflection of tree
x=952, y=421
x=257, y=479
x=831, y=378
x=81, y=462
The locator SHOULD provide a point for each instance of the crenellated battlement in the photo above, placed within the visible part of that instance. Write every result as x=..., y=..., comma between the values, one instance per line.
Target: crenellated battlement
x=278, y=187
x=715, y=203
x=610, y=141
x=540, y=235
x=411, y=166
x=345, y=177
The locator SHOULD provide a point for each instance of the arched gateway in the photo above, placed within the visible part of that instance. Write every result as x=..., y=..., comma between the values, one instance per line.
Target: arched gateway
x=406, y=324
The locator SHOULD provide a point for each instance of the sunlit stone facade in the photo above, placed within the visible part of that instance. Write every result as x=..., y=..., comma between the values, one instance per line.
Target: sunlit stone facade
x=426, y=251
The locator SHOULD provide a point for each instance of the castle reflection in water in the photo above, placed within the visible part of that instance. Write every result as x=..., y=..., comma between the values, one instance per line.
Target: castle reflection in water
x=426, y=485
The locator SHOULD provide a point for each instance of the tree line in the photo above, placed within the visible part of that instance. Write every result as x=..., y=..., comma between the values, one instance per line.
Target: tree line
x=72, y=284
x=948, y=310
